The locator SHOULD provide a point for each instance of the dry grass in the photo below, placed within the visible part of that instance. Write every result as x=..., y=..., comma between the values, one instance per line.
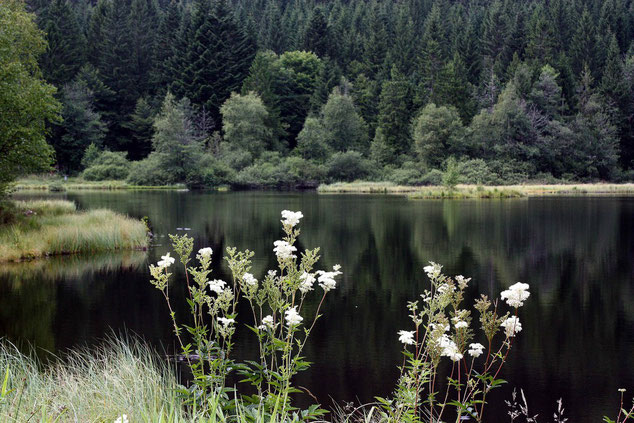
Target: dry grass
x=56, y=227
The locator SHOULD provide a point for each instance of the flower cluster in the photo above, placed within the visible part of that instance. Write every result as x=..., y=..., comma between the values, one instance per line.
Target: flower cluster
x=249, y=279
x=307, y=282
x=476, y=350
x=406, y=337
x=291, y=218
x=516, y=294
x=448, y=348
x=292, y=317
x=327, y=279
x=217, y=286
x=205, y=252
x=511, y=326
x=166, y=261
x=283, y=250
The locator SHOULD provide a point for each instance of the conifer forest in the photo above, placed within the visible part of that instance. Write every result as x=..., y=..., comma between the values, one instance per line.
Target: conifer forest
x=293, y=93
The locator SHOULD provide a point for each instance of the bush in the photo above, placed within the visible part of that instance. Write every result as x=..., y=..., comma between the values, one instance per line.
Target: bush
x=235, y=158
x=348, y=166
x=433, y=177
x=147, y=172
x=209, y=173
x=477, y=172
x=411, y=173
x=106, y=166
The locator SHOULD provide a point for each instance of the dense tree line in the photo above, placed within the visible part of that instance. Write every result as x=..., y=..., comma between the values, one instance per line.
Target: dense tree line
x=289, y=92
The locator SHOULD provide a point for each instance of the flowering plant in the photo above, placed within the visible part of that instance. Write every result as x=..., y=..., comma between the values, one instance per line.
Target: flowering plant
x=276, y=304
x=442, y=328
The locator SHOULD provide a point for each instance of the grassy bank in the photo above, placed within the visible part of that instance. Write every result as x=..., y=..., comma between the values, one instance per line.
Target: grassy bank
x=477, y=191
x=50, y=227
x=96, y=386
x=57, y=184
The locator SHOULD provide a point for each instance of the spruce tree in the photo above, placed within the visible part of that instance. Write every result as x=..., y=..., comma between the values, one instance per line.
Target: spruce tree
x=316, y=36
x=65, y=52
x=165, y=48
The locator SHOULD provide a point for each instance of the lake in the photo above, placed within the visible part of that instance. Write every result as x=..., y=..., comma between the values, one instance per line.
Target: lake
x=577, y=254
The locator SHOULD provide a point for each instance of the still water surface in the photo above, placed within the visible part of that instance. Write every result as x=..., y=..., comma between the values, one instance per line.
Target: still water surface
x=577, y=254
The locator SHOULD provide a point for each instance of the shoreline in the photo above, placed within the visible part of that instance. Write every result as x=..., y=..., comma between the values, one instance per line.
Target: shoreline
x=478, y=191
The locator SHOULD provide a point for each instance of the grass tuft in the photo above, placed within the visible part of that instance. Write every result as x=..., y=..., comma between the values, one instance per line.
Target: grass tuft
x=44, y=228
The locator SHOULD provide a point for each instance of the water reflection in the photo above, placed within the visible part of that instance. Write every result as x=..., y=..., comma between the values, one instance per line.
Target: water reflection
x=575, y=252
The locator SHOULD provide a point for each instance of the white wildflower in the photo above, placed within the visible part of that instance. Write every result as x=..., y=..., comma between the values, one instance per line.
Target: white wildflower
x=433, y=270
x=205, y=252
x=462, y=281
x=476, y=350
x=449, y=349
x=307, y=282
x=292, y=317
x=511, y=326
x=283, y=250
x=445, y=287
x=267, y=323
x=291, y=218
x=225, y=321
x=272, y=273
x=336, y=267
x=217, y=286
x=166, y=261
x=516, y=294
x=250, y=279
x=327, y=279
x=406, y=337
x=461, y=324
x=122, y=419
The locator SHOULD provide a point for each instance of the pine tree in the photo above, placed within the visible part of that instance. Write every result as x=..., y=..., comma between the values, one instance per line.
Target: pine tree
x=165, y=48
x=316, y=36
x=541, y=38
x=583, y=48
x=432, y=55
x=219, y=56
x=66, y=44
x=143, y=23
x=140, y=124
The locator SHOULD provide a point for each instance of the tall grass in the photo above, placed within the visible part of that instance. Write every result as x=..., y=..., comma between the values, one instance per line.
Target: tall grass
x=99, y=385
x=58, y=229
x=56, y=183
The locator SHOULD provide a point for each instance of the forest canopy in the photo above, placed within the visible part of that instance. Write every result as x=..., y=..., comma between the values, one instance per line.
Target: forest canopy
x=275, y=93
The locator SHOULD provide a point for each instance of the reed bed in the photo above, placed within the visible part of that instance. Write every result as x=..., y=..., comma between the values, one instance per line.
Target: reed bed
x=45, y=228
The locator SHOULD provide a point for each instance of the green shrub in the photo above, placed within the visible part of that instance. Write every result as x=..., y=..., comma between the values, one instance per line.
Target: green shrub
x=209, y=173
x=433, y=177
x=348, y=166
x=477, y=172
x=147, y=172
x=106, y=166
x=235, y=158
x=56, y=186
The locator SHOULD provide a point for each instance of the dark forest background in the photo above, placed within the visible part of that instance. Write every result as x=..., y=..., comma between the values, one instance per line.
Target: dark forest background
x=283, y=93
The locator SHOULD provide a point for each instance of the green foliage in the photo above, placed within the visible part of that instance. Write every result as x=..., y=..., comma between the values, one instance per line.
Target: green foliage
x=148, y=171
x=348, y=166
x=438, y=133
x=176, y=143
x=313, y=141
x=141, y=127
x=346, y=129
x=26, y=102
x=451, y=176
x=108, y=165
x=244, y=121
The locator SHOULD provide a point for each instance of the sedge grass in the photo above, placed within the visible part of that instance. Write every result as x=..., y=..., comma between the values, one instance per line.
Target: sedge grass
x=59, y=229
x=99, y=385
